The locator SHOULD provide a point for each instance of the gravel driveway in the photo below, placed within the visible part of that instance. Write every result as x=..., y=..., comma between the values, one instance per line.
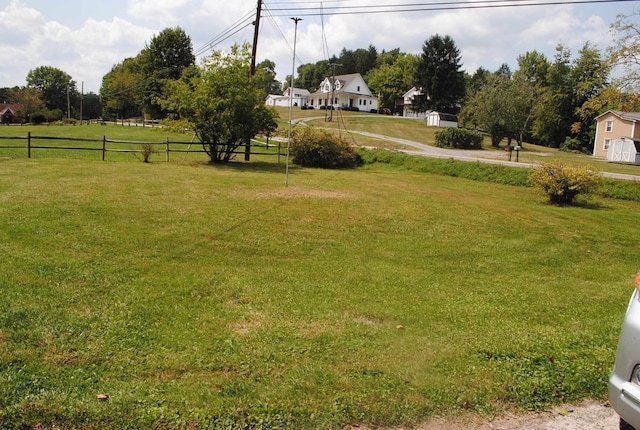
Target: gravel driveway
x=587, y=416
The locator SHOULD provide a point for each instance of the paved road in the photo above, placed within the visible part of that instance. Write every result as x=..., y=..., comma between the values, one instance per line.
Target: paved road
x=466, y=155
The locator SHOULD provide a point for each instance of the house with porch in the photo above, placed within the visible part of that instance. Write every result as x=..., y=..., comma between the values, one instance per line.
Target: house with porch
x=617, y=136
x=344, y=92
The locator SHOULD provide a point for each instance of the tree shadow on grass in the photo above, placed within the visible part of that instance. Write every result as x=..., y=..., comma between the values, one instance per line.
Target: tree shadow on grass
x=582, y=204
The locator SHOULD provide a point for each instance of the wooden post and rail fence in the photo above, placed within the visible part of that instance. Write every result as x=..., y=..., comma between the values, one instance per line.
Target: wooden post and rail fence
x=105, y=145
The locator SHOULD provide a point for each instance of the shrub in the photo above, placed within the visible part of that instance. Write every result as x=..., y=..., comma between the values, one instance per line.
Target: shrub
x=562, y=183
x=319, y=148
x=571, y=144
x=38, y=118
x=458, y=138
x=147, y=151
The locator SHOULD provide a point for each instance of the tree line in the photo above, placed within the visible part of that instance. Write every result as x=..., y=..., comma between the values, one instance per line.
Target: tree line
x=551, y=102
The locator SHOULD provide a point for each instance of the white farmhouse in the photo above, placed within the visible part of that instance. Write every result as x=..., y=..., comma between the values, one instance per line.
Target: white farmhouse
x=344, y=92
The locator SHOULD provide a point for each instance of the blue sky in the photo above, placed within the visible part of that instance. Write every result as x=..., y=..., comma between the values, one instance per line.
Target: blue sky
x=85, y=39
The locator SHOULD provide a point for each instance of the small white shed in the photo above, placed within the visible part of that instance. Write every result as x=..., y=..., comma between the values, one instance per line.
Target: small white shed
x=439, y=119
x=624, y=150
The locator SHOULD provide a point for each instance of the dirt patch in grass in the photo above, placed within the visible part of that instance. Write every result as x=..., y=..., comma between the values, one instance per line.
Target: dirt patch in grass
x=307, y=193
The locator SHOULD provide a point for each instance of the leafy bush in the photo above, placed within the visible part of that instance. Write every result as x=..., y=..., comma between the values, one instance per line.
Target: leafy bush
x=571, y=144
x=562, y=183
x=38, y=118
x=319, y=148
x=458, y=138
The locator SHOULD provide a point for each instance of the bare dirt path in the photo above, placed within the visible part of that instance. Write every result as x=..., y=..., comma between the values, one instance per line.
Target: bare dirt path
x=587, y=416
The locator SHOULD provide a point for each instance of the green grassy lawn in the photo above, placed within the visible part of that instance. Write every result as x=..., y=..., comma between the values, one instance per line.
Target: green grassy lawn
x=213, y=296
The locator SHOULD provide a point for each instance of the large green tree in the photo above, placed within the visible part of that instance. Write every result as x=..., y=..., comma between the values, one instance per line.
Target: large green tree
x=119, y=90
x=358, y=61
x=265, y=77
x=439, y=76
x=502, y=106
x=57, y=88
x=554, y=112
x=30, y=99
x=164, y=59
x=222, y=102
x=590, y=75
x=625, y=51
x=393, y=78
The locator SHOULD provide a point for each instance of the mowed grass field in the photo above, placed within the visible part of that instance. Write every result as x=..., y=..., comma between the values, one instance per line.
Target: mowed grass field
x=200, y=296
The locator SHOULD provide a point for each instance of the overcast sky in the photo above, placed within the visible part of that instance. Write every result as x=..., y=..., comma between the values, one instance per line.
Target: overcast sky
x=86, y=38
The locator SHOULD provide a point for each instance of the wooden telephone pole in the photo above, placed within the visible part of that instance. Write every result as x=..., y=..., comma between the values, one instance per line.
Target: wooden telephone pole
x=254, y=50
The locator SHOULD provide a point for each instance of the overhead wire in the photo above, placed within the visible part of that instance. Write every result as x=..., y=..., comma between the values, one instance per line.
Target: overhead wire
x=233, y=29
x=425, y=7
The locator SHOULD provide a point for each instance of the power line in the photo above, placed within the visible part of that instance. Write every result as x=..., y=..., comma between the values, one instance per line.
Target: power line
x=229, y=32
x=426, y=7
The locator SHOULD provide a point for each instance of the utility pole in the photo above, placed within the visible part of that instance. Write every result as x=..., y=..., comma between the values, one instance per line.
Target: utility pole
x=293, y=72
x=81, y=101
x=254, y=51
x=256, y=31
x=333, y=86
x=68, y=104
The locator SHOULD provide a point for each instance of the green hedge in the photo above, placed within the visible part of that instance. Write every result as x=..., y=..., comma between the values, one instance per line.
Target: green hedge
x=458, y=138
x=319, y=148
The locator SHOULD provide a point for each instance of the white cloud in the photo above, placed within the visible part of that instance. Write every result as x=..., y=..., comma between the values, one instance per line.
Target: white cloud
x=87, y=40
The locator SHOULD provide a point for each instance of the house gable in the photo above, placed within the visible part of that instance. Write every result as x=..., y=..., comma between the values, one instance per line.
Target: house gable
x=344, y=92
x=353, y=83
x=9, y=111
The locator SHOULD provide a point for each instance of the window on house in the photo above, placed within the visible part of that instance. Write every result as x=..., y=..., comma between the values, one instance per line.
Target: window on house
x=607, y=142
x=358, y=88
x=609, y=126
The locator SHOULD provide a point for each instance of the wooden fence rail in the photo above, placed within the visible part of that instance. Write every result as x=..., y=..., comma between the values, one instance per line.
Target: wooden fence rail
x=169, y=147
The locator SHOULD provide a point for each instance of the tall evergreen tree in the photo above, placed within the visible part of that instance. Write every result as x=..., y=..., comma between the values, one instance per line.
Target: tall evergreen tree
x=439, y=75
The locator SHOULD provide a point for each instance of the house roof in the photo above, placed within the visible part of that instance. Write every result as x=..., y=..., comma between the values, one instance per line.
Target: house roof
x=297, y=92
x=413, y=91
x=627, y=116
x=445, y=116
x=13, y=107
x=345, y=79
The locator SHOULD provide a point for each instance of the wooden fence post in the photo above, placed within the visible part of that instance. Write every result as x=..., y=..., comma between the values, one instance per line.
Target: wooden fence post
x=29, y=144
x=167, y=149
x=104, y=146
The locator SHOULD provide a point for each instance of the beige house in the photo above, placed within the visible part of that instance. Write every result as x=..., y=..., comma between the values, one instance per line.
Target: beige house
x=614, y=130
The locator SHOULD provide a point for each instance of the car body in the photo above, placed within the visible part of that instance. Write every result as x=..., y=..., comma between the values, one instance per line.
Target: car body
x=624, y=383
